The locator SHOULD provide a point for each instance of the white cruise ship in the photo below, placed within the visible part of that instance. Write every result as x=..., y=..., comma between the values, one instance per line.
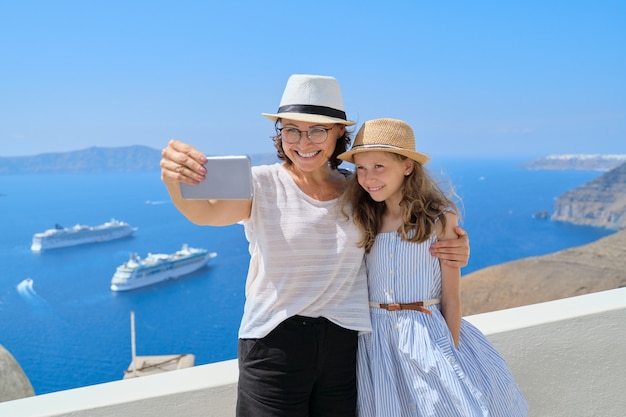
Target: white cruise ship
x=137, y=272
x=61, y=237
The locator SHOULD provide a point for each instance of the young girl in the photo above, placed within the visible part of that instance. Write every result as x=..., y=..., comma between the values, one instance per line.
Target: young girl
x=422, y=358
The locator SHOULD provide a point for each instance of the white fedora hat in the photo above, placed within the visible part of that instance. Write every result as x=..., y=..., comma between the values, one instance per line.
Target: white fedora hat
x=387, y=135
x=311, y=98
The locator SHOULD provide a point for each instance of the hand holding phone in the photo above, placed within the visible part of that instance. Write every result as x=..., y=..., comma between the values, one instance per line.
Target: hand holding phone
x=227, y=178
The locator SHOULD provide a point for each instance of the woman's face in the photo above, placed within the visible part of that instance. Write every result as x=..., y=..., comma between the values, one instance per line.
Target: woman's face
x=303, y=152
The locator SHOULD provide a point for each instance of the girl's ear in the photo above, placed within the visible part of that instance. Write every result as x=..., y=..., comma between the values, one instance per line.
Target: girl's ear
x=408, y=167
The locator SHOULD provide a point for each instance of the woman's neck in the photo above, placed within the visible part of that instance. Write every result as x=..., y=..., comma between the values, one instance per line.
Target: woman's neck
x=323, y=184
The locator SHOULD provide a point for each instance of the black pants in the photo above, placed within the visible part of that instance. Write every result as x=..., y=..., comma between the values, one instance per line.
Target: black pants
x=306, y=367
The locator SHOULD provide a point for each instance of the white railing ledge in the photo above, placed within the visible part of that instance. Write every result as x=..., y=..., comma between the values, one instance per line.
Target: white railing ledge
x=559, y=375
x=152, y=388
x=549, y=311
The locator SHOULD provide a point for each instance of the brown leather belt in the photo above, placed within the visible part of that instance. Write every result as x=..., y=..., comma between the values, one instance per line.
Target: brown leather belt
x=417, y=306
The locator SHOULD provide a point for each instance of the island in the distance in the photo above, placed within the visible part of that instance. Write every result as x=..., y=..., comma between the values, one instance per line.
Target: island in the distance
x=135, y=158
x=580, y=162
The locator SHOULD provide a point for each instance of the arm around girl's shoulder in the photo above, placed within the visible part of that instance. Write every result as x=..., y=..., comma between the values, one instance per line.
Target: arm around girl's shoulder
x=452, y=245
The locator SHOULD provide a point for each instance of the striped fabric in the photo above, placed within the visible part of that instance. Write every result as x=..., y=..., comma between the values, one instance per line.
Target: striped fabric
x=408, y=365
x=304, y=258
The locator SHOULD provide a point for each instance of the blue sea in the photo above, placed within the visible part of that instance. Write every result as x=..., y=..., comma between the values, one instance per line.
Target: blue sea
x=67, y=329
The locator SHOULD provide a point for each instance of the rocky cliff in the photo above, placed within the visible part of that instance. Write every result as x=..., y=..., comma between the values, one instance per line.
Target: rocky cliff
x=598, y=266
x=600, y=202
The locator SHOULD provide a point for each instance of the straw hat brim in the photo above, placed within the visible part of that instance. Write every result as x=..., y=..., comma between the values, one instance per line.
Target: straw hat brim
x=305, y=117
x=416, y=156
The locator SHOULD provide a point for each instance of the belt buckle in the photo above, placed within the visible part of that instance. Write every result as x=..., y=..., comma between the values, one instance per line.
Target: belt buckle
x=394, y=307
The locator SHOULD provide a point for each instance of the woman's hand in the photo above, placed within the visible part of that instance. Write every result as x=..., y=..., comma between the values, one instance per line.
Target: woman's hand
x=453, y=252
x=182, y=163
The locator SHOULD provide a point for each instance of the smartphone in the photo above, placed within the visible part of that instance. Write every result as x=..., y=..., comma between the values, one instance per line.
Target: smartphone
x=227, y=178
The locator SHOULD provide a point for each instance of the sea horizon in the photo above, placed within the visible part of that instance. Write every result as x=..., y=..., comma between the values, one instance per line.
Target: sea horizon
x=68, y=329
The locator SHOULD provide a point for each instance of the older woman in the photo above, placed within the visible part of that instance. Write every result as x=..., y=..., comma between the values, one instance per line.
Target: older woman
x=306, y=290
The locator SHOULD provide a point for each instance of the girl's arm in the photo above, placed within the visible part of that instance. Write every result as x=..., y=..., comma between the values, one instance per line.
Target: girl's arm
x=183, y=163
x=451, y=284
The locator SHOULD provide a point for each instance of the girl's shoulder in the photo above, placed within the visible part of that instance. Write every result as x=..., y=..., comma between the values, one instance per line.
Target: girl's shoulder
x=452, y=220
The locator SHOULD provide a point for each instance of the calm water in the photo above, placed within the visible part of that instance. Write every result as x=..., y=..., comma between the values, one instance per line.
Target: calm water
x=68, y=329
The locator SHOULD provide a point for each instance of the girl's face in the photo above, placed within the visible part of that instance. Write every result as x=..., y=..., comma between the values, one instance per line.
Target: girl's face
x=304, y=152
x=382, y=174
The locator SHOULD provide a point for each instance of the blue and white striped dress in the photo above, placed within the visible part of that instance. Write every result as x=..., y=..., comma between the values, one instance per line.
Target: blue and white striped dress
x=408, y=365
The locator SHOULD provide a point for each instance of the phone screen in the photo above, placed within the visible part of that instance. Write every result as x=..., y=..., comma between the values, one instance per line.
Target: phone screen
x=227, y=178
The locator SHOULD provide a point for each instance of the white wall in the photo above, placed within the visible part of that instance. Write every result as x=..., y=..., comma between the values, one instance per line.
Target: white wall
x=568, y=356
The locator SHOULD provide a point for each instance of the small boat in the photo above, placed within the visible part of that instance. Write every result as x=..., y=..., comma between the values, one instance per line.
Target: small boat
x=61, y=237
x=155, y=364
x=137, y=272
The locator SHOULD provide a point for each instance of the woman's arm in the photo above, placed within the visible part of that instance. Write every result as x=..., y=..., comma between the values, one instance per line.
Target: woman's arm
x=455, y=250
x=182, y=163
x=451, y=284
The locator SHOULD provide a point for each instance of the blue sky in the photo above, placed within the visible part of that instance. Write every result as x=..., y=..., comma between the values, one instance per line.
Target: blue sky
x=483, y=78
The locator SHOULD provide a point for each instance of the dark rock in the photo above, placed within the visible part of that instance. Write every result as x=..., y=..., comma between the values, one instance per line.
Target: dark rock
x=543, y=214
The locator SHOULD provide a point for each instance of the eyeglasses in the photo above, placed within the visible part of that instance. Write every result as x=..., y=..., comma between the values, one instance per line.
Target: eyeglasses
x=316, y=135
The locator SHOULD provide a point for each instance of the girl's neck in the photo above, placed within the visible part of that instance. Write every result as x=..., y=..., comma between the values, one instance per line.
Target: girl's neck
x=392, y=217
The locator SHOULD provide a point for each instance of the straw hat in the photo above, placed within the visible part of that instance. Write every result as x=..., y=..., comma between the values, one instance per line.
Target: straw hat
x=388, y=135
x=311, y=98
